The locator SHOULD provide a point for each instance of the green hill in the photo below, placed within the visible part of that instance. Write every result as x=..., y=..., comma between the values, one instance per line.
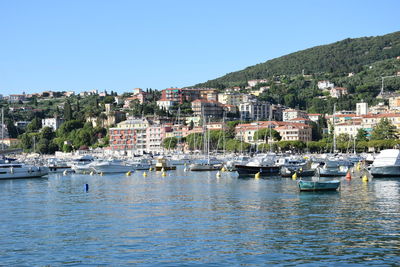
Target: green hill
x=349, y=55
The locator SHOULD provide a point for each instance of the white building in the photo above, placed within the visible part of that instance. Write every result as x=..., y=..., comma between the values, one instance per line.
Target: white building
x=361, y=108
x=54, y=123
x=351, y=128
x=166, y=104
x=323, y=85
x=252, y=83
x=290, y=114
x=254, y=110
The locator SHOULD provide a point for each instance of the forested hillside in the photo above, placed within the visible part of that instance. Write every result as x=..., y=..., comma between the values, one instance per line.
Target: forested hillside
x=349, y=55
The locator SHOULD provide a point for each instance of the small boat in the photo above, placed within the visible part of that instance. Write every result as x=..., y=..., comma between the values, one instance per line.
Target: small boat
x=335, y=167
x=315, y=184
x=57, y=166
x=318, y=185
x=386, y=164
x=163, y=164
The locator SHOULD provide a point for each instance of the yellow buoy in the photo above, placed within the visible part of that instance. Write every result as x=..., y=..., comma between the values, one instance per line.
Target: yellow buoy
x=128, y=173
x=144, y=174
x=365, y=178
x=294, y=176
x=164, y=173
x=150, y=169
x=257, y=175
x=223, y=169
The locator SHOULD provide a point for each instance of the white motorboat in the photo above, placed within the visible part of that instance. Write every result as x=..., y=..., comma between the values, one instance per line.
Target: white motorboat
x=19, y=170
x=386, y=164
x=335, y=167
x=112, y=166
x=140, y=164
x=82, y=164
x=58, y=166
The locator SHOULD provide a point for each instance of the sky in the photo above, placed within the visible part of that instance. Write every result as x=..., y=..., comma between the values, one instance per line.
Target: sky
x=78, y=45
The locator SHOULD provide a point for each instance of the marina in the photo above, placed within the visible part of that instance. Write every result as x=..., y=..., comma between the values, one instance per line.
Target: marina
x=190, y=218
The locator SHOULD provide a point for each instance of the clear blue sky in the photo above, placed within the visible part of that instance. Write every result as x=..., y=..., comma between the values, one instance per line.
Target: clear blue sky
x=119, y=45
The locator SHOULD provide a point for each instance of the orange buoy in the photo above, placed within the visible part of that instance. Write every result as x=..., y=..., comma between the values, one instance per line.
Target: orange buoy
x=348, y=176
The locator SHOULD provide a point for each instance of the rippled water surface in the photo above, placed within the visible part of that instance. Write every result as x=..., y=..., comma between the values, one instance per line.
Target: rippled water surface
x=191, y=218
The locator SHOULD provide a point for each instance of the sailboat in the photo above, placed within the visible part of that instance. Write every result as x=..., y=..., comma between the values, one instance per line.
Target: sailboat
x=206, y=164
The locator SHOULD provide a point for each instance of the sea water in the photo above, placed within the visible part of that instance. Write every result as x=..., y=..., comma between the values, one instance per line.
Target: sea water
x=196, y=218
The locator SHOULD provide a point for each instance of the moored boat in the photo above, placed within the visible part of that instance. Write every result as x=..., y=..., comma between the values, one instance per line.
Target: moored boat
x=318, y=185
x=386, y=164
x=112, y=166
x=163, y=164
x=264, y=164
x=19, y=170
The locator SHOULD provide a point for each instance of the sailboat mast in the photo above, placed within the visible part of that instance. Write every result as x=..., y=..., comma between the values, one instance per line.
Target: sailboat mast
x=2, y=128
x=334, y=135
x=270, y=128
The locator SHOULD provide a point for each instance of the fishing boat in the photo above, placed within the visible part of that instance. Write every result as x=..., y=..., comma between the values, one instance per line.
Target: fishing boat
x=386, y=164
x=264, y=164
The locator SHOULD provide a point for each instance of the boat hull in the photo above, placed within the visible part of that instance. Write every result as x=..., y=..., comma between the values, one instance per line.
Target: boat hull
x=385, y=171
x=318, y=185
x=252, y=170
x=204, y=167
x=166, y=168
x=113, y=168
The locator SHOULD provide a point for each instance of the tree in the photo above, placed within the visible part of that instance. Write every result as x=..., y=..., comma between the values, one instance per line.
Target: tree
x=361, y=135
x=264, y=134
x=170, y=142
x=67, y=111
x=34, y=125
x=384, y=130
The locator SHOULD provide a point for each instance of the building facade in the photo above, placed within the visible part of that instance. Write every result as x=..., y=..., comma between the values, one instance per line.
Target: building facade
x=254, y=110
x=53, y=123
